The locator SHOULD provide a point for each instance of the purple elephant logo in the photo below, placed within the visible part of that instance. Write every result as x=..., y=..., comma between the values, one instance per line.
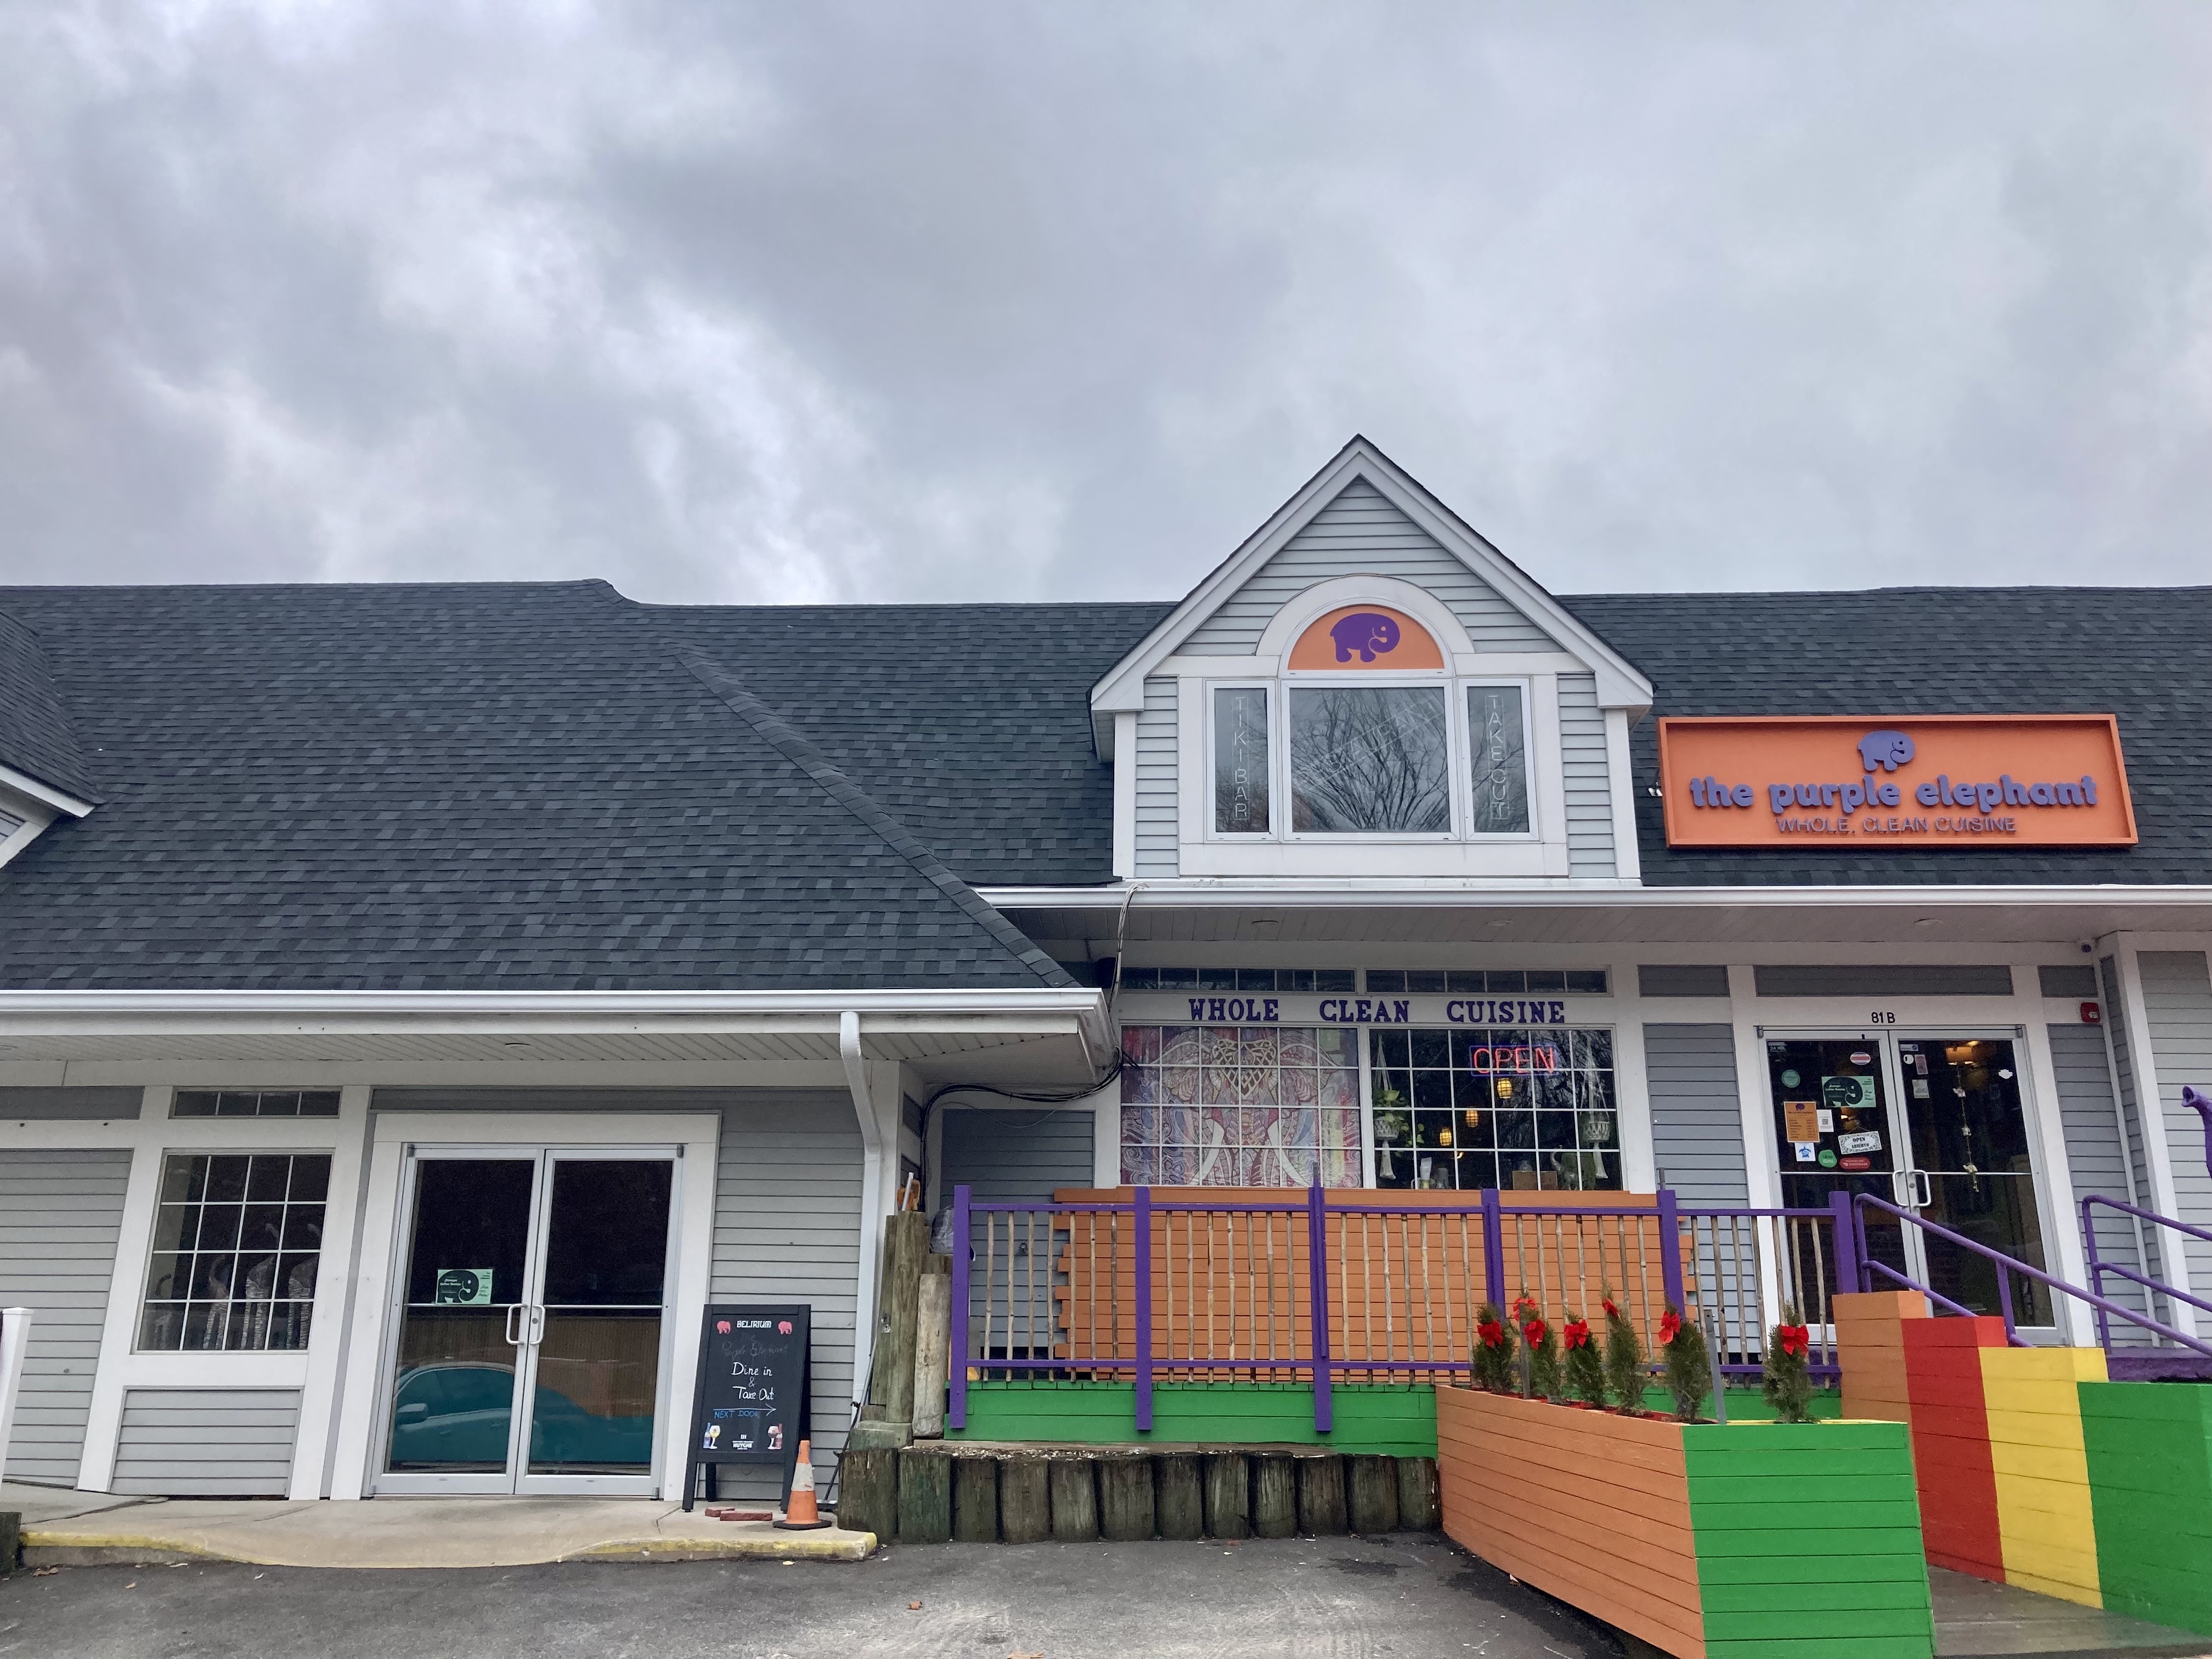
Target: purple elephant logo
x=1367, y=632
x=1884, y=751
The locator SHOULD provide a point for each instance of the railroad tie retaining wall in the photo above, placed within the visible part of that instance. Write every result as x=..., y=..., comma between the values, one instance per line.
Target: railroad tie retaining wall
x=928, y=1493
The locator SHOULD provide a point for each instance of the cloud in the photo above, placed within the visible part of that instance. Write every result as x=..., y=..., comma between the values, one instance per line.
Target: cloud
x=776, y=303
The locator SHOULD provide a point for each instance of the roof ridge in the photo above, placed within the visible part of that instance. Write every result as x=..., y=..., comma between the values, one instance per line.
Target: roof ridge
x=800, y=752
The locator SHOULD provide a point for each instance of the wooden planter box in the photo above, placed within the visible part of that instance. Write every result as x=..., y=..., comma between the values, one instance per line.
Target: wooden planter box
x=1755, y=1540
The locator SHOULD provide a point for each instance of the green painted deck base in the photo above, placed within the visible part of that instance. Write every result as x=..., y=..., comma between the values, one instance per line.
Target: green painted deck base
x=1807, y=1541
x=2149, y=1450
x=1396, y=1420
x=1392, y=1419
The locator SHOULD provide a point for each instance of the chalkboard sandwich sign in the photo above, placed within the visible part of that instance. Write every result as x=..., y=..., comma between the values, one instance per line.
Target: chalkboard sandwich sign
x=751, y=1404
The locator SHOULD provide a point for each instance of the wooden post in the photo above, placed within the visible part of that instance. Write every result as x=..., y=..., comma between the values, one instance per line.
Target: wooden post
x=1321, y=1494
x=1125, y=1509
x=1074, y=1499
x=1371, y=1493
x=1024, y=1507
x=1228, y=1495
x=1275, y=1496
x=11, y=1539
x=1418, y=1509
x=1179, y=1495
x=933, y=1345
x=906, y=1245
x=867, y=1494
x=925, y=1496
x=975, y=1499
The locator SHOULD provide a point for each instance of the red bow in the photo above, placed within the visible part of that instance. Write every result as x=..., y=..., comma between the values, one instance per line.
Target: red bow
x=1523, y=1306
x=1533, y=1332
x=1795, y=1339
x=1670, y=1325
x=1577, y=1333
x=1612, y=1308
x=1491, y=1332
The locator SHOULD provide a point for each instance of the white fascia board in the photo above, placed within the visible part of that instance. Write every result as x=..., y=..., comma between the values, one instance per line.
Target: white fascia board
x=1078, y=1010
x=45, y=794
x=1619, y=685
x=1200, y=892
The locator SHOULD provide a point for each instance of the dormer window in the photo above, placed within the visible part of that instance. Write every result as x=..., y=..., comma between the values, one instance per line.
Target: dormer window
x=1368, y=732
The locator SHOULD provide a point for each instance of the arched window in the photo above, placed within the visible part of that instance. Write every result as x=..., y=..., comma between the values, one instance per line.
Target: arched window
x=1370, y=732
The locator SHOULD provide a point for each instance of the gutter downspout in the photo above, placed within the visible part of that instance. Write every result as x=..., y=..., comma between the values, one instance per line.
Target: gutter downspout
x=871, y=1203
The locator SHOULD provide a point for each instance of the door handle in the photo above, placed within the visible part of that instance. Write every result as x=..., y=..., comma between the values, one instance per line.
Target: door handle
x=1900, y=1188
x=513, y=1341
x=1923, y=1190
x=537, y=1324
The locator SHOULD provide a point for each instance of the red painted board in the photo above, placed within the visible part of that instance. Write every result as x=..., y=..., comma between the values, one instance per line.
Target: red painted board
x=1951, y=1459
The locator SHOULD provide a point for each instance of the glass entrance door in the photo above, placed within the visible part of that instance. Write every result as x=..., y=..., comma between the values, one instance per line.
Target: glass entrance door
x=530, y=1325
x=1935, y=1125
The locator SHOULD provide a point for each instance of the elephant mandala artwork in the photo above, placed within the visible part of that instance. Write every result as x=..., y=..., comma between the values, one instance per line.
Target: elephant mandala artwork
x=1368, y=632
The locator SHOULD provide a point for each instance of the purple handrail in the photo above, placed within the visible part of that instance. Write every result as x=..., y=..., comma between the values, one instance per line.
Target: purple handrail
x=1318, y=1206
x=2098, y=1267
x=2006, y=1265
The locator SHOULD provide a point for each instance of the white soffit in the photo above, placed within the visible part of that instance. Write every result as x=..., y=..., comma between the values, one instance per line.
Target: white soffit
x=1619, y=685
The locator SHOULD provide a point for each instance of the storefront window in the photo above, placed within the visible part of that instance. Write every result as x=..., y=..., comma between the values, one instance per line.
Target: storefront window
x=1240, y=1106
x=235, y=1243
x=1462, y=1108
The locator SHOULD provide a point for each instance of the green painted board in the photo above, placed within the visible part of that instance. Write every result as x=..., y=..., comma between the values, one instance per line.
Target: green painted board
x=1816, y=1596
x=1396, y=1420
x=1827, y=1517
x=1885, y=1483
x=1797, y=1622
x=1816, y=1647
x=1783, y=1567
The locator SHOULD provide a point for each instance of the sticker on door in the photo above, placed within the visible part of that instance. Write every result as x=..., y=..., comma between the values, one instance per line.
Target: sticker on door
x=1868, y=1140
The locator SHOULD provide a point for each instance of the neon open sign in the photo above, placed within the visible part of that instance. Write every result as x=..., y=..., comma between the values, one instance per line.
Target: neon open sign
x=1518, y=1060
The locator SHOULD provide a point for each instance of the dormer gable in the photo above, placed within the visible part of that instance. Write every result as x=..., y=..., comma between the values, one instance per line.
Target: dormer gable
x=1368, y=688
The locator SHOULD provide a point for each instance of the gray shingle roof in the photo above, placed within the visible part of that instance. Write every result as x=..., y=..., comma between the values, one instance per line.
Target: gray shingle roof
x=36, y=738
x=498, y=787
x=2141, y=653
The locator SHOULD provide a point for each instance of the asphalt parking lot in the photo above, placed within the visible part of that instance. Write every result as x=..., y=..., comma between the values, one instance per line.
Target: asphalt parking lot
x=1407, y=1595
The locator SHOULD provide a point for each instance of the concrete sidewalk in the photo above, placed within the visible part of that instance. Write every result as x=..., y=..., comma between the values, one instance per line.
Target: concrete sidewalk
x=68, y=1529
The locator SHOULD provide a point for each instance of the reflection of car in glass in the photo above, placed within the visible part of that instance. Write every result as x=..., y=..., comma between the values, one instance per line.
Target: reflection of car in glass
x=460, y=1414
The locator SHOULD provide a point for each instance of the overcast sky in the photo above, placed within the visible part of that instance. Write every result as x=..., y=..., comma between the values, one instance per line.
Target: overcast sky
x=921, y=301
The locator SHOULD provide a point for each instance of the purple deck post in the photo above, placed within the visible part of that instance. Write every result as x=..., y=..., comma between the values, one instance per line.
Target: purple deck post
x=959, y=1415
x=1846, y=1229
x=1670, y=1249
x=2096, y=1271
x=1493, y=1248
x=1144, y=1235
x=1317, y=1295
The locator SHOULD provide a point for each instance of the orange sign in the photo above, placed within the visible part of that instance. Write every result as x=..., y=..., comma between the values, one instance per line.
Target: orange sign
x=1366, y=636
x=1926, y=781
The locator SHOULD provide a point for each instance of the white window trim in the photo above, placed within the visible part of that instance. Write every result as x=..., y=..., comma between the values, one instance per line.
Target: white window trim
x=1459, y=739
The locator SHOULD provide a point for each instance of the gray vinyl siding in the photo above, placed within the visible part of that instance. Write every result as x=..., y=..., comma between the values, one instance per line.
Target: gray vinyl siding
x=1869, y=979
x=71, y=1105
x=2178, y=1006
x=1689, y=979
x=1361, y=533
x=1589, y=787
x=1157, y=822
x=2096, y=1156
x=1017, y=1158
x=60, y=1212
x=206, y=1443
x=1696, y=1116
x=787, y=1228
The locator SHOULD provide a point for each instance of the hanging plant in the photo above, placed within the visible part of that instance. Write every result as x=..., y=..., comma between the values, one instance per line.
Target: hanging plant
x=1585, y=1363
x=1686, y=1360
x=1787, y=1384
x=1493, y=1349
x=1624, y=1358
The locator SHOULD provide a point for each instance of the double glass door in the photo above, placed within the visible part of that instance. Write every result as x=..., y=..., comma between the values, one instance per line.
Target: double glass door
x=530, y=1351
x=1936, y=1125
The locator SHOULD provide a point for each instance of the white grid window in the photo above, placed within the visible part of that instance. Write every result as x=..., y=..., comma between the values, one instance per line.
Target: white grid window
x=235, y=1244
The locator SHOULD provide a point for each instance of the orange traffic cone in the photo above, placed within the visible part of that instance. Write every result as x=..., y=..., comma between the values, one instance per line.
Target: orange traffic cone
x=802, y=1513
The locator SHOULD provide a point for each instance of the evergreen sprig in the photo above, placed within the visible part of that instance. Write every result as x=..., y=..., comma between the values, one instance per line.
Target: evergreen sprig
x=1585, y=1364
x=1687, y=1361
x=1494, y=1345
x=1786, y=1383
x=1624, y=1358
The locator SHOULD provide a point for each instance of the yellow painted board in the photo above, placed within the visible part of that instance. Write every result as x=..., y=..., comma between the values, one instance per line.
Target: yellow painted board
x=2062, y=1529
x=2087, y=1594
x=2056, y=1401
x=2043, y=1365
x=2067, y=1464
